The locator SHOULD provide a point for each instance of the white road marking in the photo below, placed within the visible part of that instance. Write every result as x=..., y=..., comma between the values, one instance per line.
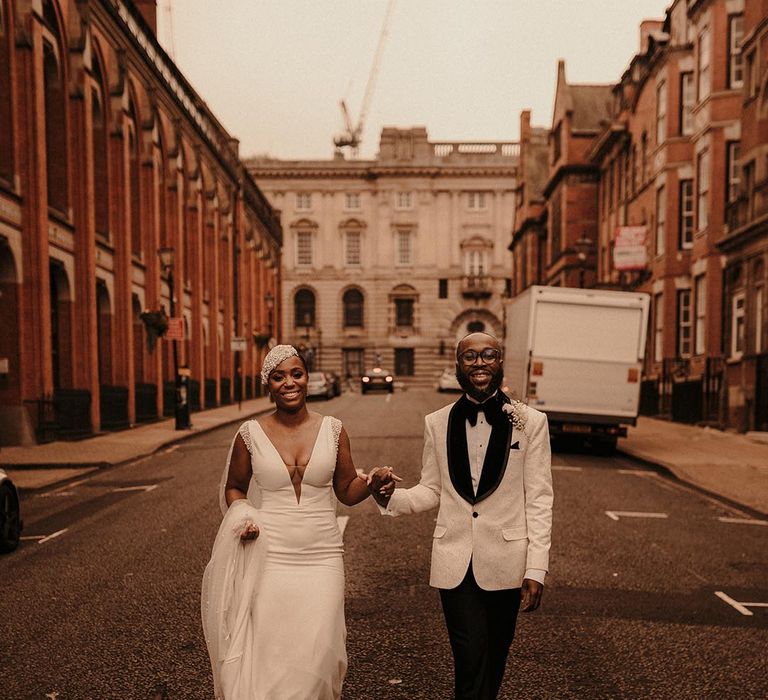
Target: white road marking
x=171, y=448
x=56, y=494
x=146, y=488
x=635, y=472
x=50, y=537
x=388, y=399
x=565, y=468
x=31, y=537
x=616, y=514
x=741, y=607
x=743, y=521
x=342, y=520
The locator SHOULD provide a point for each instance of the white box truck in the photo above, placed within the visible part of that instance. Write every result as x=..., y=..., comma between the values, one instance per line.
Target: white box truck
x=576, y=355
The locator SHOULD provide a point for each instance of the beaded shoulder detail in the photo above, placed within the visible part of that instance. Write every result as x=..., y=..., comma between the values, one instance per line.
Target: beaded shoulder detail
x=245, y=433
x=336, y=430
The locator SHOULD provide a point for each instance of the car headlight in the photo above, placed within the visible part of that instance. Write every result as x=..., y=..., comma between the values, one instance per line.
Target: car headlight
x=366, y=379
x=388, y=378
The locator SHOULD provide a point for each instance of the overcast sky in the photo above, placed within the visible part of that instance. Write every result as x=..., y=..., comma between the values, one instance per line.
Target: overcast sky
x=273, y=71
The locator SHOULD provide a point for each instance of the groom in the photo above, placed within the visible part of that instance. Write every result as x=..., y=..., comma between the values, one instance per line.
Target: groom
x=486, y=463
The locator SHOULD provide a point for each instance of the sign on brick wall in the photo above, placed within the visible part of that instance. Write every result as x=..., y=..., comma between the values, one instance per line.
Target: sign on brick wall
x=175, y=329
x=629, y=252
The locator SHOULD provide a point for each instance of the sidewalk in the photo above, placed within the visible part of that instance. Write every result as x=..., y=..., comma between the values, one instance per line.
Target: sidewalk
x=41, y=466
x=725, y=464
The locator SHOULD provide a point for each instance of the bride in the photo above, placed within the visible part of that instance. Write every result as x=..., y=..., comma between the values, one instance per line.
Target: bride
x=273, y=591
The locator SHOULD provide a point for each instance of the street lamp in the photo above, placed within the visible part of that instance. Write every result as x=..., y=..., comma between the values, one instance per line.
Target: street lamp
x=181, y=405
x=583, y=246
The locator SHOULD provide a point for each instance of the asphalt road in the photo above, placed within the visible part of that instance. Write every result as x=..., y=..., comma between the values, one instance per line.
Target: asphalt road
x=103, y=600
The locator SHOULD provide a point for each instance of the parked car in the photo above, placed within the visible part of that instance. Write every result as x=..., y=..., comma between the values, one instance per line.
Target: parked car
x=319, y=384
x=447, y=380
x=335, y=380
x=377, y=378
x=10, y=514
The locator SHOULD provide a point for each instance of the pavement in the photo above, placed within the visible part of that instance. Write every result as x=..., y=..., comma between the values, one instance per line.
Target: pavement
x=725, y=464
x=40, y=467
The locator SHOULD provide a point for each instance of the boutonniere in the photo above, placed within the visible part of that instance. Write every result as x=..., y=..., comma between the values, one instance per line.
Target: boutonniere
x=516, y=414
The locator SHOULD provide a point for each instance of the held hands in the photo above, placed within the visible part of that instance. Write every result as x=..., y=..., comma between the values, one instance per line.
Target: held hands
x=381, y=483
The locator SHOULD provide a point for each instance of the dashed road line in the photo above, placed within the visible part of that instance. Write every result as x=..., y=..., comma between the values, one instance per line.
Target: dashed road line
x=741, y=606
x=145, y=487
x=565, y=468
x=616, y=514
x=50, y=537
x=635, y=472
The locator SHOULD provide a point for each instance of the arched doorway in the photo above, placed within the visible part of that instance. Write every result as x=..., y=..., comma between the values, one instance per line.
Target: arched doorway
x=145, y=394
x=476, y=321
x=61, y=326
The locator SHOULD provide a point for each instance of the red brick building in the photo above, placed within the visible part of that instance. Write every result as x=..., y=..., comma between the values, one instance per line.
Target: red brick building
x=665, y=149
x=108, y=155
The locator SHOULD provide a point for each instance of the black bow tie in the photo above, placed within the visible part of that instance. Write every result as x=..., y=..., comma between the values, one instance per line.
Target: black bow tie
x=472, y=409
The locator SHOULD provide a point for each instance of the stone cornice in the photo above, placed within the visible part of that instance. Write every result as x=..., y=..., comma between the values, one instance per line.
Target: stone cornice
x=331, y=172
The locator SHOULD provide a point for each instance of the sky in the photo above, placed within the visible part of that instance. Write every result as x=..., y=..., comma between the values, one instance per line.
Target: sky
x=273, y=71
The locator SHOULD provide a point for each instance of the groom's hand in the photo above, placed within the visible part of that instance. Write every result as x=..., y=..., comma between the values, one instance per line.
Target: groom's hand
x=381, y=484
x=531, y=595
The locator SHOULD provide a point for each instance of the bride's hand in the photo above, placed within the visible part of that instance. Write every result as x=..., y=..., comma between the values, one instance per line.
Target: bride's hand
x=249, y=530
x=381, y=480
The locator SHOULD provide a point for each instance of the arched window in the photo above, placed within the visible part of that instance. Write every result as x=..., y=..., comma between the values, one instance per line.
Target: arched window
x=55, y=130
x=353, y=308
x=99, y=143
x=134, y=179
x=304, y=309
x=6, y=133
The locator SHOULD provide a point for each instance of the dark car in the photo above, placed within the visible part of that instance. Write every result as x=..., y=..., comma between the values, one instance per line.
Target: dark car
x=10, y=516
x=335, y=381
x=377, y=378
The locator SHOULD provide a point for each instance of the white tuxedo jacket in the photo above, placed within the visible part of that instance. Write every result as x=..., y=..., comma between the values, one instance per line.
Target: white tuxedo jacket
x=506, y=528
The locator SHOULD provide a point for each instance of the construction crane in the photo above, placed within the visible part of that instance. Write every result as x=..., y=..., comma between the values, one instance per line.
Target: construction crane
x=352, y=135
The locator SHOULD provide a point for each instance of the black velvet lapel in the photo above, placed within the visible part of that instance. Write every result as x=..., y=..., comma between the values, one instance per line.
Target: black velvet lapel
x=458, y=452
x=496, y=455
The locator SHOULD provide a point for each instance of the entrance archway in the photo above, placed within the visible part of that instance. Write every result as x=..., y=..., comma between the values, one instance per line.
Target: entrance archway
x=11, y=410
x=61, y=326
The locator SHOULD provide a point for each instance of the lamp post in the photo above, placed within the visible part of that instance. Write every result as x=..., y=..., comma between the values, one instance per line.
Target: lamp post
x=180, y=403
x=269, y=300
x=583, y=246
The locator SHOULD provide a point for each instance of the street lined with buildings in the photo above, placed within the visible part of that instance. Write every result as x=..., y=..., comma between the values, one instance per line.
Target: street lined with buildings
x=627, y=600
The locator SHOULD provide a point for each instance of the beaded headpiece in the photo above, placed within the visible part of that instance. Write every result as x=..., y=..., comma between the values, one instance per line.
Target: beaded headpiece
x=276, y=356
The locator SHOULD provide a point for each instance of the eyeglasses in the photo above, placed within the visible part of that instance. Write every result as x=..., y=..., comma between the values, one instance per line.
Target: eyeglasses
x=487, y=355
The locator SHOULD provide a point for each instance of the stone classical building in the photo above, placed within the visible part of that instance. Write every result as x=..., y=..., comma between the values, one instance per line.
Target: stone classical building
x=390, y=261
x=107, y=156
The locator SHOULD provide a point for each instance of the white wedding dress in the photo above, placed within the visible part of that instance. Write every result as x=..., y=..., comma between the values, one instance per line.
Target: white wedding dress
x=273, y=608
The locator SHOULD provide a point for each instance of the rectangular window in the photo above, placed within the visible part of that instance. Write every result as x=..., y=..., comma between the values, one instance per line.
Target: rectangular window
x=352, y=200
x=644, y=159
x=733, y=171
x=700, y=289
x=748, y=173
x=658, y=328
x=304, y=248
x=702, y=190
x=661, y=113
x=684, y=323
x=442, y=289
x=687, y=214
x=737, y=325
x=735, y=59
x=751, y=74
x=404, y=365
x=759, y=320
x=476, y=201
x=404, y=313
x=687, y=102
x=661, y=218
x=404, y=248
x=556, y=224
x=352, y=248
x=303, y=201
x=403, y=200
x=705, y=85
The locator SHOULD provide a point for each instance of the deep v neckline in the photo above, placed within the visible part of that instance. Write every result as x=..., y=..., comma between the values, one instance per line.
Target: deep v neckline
x=286, y=466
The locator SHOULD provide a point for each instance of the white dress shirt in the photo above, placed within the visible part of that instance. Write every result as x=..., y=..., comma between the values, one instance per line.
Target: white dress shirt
x=477, y=445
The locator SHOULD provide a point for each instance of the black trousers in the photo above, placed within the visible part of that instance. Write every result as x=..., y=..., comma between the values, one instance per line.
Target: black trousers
x=481, y=627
